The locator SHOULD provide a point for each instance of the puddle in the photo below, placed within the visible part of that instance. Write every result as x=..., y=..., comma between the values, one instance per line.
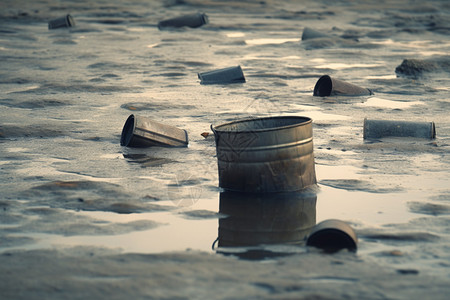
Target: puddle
x=184, y=234
x=244, y=219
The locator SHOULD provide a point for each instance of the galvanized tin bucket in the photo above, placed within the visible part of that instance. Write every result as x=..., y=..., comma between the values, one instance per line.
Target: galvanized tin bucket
x=273, y=154
x=143, y=132
x=265, y=218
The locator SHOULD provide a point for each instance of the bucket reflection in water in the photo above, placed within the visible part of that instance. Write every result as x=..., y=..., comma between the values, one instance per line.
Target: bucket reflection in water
x=271, y=218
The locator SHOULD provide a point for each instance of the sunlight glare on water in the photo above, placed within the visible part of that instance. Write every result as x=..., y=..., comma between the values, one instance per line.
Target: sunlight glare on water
x=379, y=102
x=270, y=41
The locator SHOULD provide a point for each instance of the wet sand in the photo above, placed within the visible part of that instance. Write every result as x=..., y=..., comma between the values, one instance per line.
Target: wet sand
x=83, y=217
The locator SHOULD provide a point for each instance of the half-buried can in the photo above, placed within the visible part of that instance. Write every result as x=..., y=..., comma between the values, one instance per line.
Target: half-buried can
x=333, y=235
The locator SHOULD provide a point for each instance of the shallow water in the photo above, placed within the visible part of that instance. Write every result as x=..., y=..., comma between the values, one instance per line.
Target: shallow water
x=66, y=93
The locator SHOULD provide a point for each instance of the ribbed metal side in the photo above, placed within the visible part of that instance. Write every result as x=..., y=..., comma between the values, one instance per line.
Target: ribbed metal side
x=266, y=155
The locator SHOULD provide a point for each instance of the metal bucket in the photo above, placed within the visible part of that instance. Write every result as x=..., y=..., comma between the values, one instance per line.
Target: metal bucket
x=143, y=132
x=269, y=218
x=190, y=20
x=66, y=21
x=384, y=128
x=327, y=86
x=273, y=154
x=222, y=76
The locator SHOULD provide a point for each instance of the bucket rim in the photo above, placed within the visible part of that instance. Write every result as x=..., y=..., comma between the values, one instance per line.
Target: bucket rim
x=306, y=120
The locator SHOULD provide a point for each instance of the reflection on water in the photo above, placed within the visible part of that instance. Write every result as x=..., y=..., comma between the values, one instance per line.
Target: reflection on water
x=145, y=160
x=235, y=34
x=378, y=102
x=270, y=41
x=254, y=219
x=340, y=66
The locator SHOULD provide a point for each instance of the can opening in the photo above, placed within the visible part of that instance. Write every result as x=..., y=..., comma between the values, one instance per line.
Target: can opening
x=127, y=131
x=323, y=86
x=331, y=240
x=70, y=21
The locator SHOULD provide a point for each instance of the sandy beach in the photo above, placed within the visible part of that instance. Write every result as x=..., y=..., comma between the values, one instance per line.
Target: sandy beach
x=82, y=217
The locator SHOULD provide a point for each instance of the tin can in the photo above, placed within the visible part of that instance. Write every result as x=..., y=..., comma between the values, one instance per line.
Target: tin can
x=327, y=86
x=190, y=20
x=66, y=21
x=222, y=76
x=143, y=132
x=385, y=128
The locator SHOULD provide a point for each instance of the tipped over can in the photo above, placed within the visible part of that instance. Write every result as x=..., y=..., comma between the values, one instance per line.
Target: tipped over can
x=190, y=20
x=333, y=235
x=66, y=21
x=327, y=86
x=222, y=76
x=309, y=33
x=385, y=128
x=143, y=132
